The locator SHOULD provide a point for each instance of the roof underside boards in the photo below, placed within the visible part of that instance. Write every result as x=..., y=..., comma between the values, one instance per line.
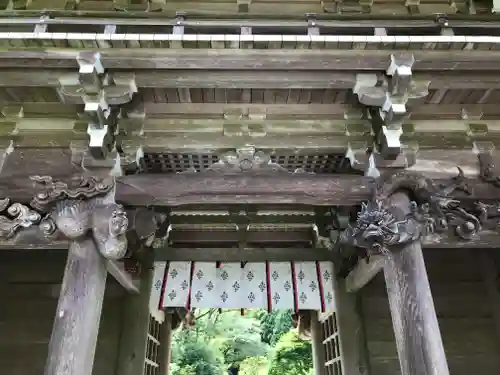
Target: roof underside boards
x=179, y=97
x=269, y=285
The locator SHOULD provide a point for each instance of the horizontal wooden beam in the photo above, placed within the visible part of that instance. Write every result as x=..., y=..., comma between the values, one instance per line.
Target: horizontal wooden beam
x=422, y=22
x=271, y=111
x=241, y=76
x=123, y=278
x=212, y=188
x=253, y=59
x=243, y=255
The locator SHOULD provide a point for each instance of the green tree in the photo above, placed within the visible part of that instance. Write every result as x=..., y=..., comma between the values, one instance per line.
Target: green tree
x=291, y=356
x=197, y=357
x=274, y=325
x=254, y=366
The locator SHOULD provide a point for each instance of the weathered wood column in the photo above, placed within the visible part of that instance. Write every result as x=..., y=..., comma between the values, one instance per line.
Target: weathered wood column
x=166, y=345
x=317, y=345
x=391, y=226
x=88, y=216
x=416, y=328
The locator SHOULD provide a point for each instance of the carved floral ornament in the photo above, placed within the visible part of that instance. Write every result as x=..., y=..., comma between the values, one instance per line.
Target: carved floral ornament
x=84, y=207
x=380, y=228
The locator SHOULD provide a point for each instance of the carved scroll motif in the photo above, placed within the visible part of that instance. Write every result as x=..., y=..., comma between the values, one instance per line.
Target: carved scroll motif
x=14, y=217
x=379, y=228
x=85, y=207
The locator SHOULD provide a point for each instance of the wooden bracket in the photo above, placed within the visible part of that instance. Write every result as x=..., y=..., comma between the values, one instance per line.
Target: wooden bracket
x=101, y=93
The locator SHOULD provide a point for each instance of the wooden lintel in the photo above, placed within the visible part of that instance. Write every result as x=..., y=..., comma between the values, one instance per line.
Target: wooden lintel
x=215, y=188
x=124, y=278
x=248, y=59
x=243, y=255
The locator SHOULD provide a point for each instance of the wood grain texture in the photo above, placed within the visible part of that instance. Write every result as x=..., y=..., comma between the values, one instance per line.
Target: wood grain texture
x=249, y=59
x=353, y=344
x=135, y=323
x=166, y=345
x=76, y=325
x=318, y=352
x=418, y=338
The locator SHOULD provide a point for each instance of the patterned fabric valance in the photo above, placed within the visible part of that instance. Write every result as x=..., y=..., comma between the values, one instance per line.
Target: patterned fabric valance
x=245, y=285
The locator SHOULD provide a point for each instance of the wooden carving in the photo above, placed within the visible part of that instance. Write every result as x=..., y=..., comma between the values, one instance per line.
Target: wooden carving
x=86, y=207
x=14, y=217
x=380, y=228
x=243, y=160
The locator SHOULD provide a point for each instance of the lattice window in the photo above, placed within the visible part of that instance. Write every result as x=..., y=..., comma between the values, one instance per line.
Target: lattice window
x=161, y=163
x=152, y=360
x=331, y=345
x=322, y=163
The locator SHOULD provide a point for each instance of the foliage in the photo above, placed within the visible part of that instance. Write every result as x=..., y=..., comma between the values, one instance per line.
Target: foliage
x=196, y=358
x=274, y=325
x=291, y=356
x=220, y=341
x=254, y=366
x=186, y=370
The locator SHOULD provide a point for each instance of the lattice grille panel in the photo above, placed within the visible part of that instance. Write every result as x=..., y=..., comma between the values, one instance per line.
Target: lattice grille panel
x=165, y=163
x=151, y=362
x=180, y=162
x=331, y=346
x=323, y=163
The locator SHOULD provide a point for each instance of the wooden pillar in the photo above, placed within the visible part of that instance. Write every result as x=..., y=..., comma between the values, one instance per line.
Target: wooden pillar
x=416, y=329
x=166, y=345
x=76, y=325
x=351, y=331
x=318, y=351
x=134, y=339
x=83, y=211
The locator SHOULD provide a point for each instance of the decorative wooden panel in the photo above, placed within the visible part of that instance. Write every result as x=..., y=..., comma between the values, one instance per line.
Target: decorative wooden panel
x=272, y=285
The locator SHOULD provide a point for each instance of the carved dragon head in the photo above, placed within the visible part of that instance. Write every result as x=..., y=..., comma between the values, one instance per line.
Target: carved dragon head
x=375, y=229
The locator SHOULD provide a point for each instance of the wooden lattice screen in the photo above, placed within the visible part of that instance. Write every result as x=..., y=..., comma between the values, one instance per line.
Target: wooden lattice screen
x=331, y=344
x=151, y=362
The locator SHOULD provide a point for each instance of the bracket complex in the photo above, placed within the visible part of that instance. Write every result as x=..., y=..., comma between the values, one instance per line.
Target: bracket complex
x=389, y=99
x=102, y=94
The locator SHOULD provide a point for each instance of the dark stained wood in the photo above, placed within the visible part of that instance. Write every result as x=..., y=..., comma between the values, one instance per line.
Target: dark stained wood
x=76, y=324
x=491, y=272
x=244, y=255
x=250, y=59
x=416, y=329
